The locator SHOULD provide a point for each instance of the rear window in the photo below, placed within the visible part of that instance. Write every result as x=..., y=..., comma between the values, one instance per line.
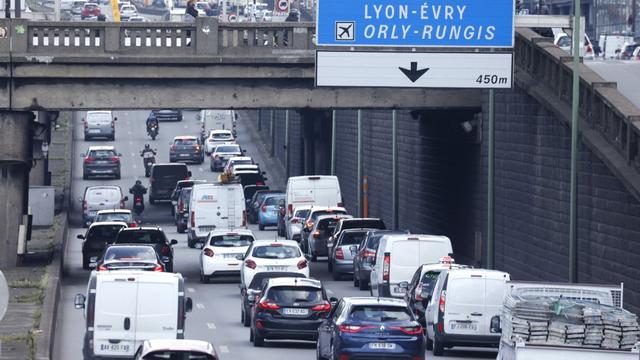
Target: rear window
x=102, y=153
x=103, y=233
x=129, y=253
x=242, y=162
x=221, y=136
x=91, y=6
x=235, y=240
x=288, y=295
x=352, y=238
x=124, y=217
x=228, y=149
x=369, y=224
x=177, y=355
x=273, y=200
x=301, y=214
x=185, y=142
x=318, y=213
x=327, y=225
x=276, y=252
x=101, y=194
x=380, y=313
x=141, y=237
x=564, y=41
x=260, y=279
x=170, y=171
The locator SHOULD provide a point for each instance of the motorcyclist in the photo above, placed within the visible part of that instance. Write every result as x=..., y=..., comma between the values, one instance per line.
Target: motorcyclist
x=152, y=120
x=138, y=188
x=147, y=149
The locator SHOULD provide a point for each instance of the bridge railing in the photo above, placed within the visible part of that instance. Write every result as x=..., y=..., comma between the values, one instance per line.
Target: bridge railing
x=603, y=107
x=205, y=37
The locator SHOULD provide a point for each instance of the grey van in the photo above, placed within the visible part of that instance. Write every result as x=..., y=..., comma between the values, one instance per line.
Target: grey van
x=100, y=198
x=99, y=124
x=164, y=178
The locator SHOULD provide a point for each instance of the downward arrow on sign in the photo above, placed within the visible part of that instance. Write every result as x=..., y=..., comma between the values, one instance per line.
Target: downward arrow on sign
x=414, y=74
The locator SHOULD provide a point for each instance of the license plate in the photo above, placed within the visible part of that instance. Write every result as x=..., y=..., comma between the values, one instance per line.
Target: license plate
x=397, y=289
x=295, y=311
x=184, y=155
x=464, y=326
x=94, y=131
x=119, y=348
x=230, y=256
x=207, y=228
x=383, y=346
x=276, y=268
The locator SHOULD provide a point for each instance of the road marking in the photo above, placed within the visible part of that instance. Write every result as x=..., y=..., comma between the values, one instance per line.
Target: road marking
x=133, y=154
x=186, y=126
x=224, y=349
x=211, y=326
x=201, y=169
x=130, y=142
x=200, y=306
x=191, y=290
x=135, y=166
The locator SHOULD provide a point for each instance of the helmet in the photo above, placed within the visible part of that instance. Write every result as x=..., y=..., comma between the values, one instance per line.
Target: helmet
x=138, y=182
x=146, y=147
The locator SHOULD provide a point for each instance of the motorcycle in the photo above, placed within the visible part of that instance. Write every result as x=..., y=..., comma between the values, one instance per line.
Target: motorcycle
x=149, y=159
x=138, y=204
x=153, y=131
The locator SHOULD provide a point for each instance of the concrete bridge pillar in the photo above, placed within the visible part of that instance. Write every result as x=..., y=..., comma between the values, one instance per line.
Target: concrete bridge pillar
x=15, y=164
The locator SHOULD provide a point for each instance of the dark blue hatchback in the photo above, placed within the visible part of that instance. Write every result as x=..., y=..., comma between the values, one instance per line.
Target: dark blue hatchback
x=371, y=328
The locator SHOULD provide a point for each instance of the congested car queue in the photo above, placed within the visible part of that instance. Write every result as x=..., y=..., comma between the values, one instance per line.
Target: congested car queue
x=413, y=299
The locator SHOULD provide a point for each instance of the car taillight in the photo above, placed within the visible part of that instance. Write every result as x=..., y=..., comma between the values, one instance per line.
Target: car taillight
x=352, y=328
x=113, y=125
x=443, y=299
x=250, y=264
x=368, y=253
x=133, y=224
x=114, y=159
x=165, y=250
x=325, y=306
x=268, y=305
x=84, y=205
x=89, y=159
x=339, y=254
x=418, y=294
x=102, y=268
x=289, y=208
x=302, y=264
x=193, y=219
x=409, y=330
x=173, y=147
x=181, y=207
x=208, y=252
x=122, y=204
x=244, y=218
x=263, y=208
x=158, y=268
x=385, y=267
x=295, y=221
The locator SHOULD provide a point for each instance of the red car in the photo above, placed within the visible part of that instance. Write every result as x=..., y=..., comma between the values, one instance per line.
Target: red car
x=90, y=10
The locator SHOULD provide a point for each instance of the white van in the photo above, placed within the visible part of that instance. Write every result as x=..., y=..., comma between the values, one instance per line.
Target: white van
x=318, y=190
x=123, y=308
x=398, y=257
x=213, y=207
x=462, y=307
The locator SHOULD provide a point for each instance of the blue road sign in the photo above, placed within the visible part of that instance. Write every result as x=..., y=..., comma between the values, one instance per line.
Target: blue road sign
x=413, y=23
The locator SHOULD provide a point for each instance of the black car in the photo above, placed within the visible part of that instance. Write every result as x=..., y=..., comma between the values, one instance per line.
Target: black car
x=181, y=184
x=247, y=295
x=251, y=177
x=289, y=308
x=164, y=178
x=130, y=257
x=168, y=114
x=363, y=259
x=355, y=223
x=150, y=236
x=256, y=200
x=96, y=239
x=182, y=210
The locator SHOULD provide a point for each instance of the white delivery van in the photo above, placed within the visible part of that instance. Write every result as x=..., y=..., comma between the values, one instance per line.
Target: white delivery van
x=398, y=257
x=214, y=207
x=123, y=308
x=462, y=306
x=318, y=190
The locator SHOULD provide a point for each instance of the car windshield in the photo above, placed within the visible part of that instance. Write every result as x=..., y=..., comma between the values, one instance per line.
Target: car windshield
x=276, y=251
x=90, y=6
x=228, y=149
x=119, y=253
x=102, y=153
x=177, y=355
x=124, y=217
x=564, y=41
x=101, y=194
x=141, y=237
x=231, y=240
x=379, y=313
x=185, y=142
x=288, y=295
x=352, y=238
x=301, y=213
x=128, y=8
x=103, y=233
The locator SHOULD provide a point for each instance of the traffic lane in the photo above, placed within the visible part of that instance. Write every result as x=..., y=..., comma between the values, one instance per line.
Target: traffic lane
x=625, y=72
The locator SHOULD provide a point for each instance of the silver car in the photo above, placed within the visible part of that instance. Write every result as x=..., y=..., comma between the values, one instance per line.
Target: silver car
x=315, y=244
x=99, y=124
x=176, y=349
x=222, y=153
x=341, y=256
x=293, y=225
x=101, y=161
x=98, y=198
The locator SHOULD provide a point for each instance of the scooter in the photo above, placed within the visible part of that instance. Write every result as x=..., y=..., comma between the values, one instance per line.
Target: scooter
x=149, y=159
x=153, y=131
x=138, y=204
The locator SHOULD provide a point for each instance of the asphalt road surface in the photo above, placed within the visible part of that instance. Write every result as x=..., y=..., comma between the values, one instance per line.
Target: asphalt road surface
x=216, y=313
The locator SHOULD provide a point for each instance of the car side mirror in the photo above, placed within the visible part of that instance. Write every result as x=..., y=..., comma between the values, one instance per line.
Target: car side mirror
x=82, y=155
x=189, y=173
x=495, y=325
x=188, y=306
x=174, y=242
x=403, y=285
x=80, y=236
x=240, y=257
x=79, y=301
x=244, y=151
x=265, y=179
x=115, y=119
x=126, y=198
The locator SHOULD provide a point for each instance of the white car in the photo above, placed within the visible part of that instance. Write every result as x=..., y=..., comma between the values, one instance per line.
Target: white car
x=221, y=252
x=273, y=255
x=293, y=225
x=238, y=160
x=218, y=137
x=137, y=19
x=128, y=11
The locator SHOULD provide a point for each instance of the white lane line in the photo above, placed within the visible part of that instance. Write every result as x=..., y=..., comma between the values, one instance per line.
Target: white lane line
x=134, y=166
x=130, y=142
x=211, y=326
x=329, y=291
x=191, y=290
x=186, y=126
x=129, y=132
x=200, y=306
x=223, y=349
x=133, y=154
x=201, y=169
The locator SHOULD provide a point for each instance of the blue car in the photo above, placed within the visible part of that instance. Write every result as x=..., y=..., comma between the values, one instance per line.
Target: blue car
x=371, y=328
x=268, y=211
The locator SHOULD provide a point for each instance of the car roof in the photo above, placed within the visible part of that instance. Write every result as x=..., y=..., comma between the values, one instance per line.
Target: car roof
x=144, y=228
x=322, y=208
x=375, y=301
x=417, y=237
x=232, y=231
x=356, y=230
x=294, y=281
x=240, y=158
x=185, y=137
x=269, y=242
x=302, y=207
x=102, y=147
x=114, y=211
x=132, y=245
x=469, y=272
x=98, y=187
x=220, y=131
x=333, y=216
x=108, y=223
x=180, y=345
x=441, y=266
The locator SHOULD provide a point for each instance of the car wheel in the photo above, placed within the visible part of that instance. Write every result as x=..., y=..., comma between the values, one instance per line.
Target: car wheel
x=152, y=201
x=85, y=263
x=85, y=177
x=329, y=266
x=250, y=335
x=204, y=278
x=118, y=176
x=356, y=281
x=180, y=229
x=336, y=275
x=438, y=347
x=258, y=341
x=429, y=341
x=169, y=267
x=363, y=284
x=246, y=319
x=318, y=355
x=260, y=227
x=191, y=244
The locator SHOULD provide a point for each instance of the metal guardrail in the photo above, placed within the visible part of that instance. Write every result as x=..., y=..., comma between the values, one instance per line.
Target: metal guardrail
x=205, y=37
x=603, y=107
